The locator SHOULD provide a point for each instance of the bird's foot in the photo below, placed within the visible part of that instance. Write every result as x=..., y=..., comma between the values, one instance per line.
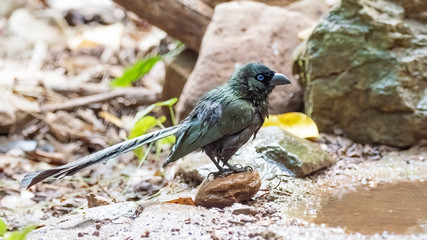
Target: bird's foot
x=238, y=168
x=230, y=170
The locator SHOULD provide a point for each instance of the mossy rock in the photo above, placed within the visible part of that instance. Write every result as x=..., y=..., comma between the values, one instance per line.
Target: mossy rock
x=364, y=69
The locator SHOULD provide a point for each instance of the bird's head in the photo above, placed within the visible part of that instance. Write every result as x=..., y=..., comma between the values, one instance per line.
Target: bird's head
x=256, y=80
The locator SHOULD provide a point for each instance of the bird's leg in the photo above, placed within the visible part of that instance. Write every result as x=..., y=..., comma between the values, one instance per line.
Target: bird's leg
x=215, y=161
x=220, y=169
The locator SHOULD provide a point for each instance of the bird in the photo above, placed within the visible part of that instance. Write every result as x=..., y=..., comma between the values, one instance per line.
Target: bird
x=221, y=122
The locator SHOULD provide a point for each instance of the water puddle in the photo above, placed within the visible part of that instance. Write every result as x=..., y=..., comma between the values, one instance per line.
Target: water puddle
x=399, y=208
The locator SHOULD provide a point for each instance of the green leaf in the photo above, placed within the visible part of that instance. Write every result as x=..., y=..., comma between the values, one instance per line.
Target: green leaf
x=143, y=123
x=135, y=72
x=20, y=235
x=142, y=126
x=3, y=227
x=167, y=103
x=167, y=140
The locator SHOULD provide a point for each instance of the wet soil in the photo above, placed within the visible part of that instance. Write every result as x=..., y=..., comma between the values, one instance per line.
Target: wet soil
x=399, y=208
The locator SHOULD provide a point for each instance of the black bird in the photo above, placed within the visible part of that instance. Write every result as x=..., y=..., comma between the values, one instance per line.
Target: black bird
x=220, y=123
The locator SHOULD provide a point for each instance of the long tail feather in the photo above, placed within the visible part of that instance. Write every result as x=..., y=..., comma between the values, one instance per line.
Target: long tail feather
x=101, y=156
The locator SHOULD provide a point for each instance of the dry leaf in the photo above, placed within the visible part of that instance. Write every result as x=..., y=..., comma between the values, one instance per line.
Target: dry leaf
x=296, y=123
x=111, y=118
x=94, y=200
x=183, y=201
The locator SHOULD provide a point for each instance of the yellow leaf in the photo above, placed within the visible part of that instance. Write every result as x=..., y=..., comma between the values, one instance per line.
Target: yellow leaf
x=296, y=123
x=183, y=201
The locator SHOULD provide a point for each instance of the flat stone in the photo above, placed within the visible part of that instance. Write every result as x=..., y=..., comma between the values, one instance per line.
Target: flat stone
x=299, y=155
x=224, y=191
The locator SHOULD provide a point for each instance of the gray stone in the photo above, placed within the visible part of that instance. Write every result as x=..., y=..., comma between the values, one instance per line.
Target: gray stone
x=255, y=33
x=364, y=71
x=196, y=167
x=299, y=155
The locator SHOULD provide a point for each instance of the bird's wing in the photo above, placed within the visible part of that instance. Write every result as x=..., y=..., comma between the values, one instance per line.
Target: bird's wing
x=212, y=121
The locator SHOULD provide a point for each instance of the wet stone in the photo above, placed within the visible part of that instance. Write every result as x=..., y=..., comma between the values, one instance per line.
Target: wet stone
x=300, y=156
x=224, y=191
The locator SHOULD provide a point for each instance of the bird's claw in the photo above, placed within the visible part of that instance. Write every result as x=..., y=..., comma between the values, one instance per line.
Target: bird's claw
x=239, y=168
x=230, y=170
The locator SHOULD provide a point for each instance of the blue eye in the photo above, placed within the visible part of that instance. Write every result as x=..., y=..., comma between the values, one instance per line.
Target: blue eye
x=260, y=77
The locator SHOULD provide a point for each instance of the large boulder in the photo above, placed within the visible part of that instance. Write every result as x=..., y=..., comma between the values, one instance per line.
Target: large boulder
x=364, y=68
x=243, y=32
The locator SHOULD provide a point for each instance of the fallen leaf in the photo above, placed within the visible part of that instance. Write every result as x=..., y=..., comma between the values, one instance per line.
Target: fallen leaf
x=183, y=201
x=111, y=118
x=296, y=123
x=94, y=200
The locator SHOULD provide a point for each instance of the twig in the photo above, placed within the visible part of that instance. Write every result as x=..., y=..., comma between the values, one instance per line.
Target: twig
x=141, y=96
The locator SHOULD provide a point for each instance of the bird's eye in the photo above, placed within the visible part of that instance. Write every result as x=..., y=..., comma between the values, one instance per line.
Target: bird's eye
x=259, y=77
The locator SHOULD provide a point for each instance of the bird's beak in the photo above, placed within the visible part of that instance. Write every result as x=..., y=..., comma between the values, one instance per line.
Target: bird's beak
x=279, y=79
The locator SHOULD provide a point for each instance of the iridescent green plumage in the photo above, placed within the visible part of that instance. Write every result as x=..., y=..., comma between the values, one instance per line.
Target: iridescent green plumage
x=220, y=123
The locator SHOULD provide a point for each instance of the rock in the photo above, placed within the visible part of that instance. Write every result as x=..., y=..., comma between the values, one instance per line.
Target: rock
x=224, y=191
x=196, y=167
x=313, y=9
x=255, y=33
x=299, y=155
x=177, y=73
x=364, y=71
